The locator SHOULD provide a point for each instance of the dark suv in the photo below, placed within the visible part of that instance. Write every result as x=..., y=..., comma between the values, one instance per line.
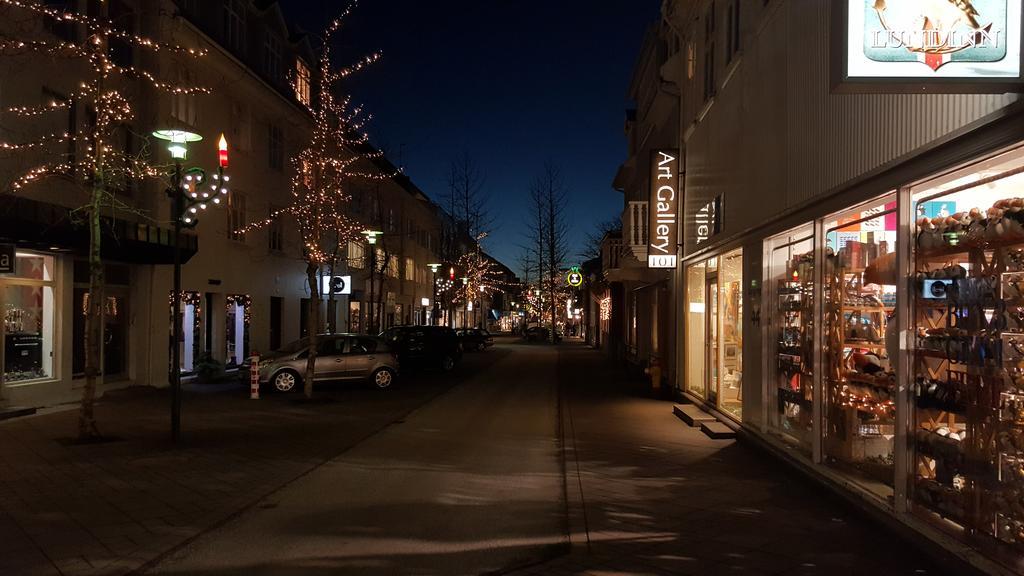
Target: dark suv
x=425, y=346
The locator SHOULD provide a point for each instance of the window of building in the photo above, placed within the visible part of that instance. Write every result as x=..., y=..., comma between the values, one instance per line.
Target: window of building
x=714, y=349
x=241, y=126
x=791, y=288
x=356, y=255
x=732, y=33
x=275, y=231
x=967, y=308
x=234, y=25
x=410, y=269
x=859, y=371
x=236, y=216
x=28, y=301
x=709, y=52
x=272, y=57
x=183, y=106
x=302, y=82
x=122, y=52
x=236, y=329
x=275, y=147
x=691, y=60
x=393, y=266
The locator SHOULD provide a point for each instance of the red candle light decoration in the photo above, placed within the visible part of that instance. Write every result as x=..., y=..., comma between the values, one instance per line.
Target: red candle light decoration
x=223, y=151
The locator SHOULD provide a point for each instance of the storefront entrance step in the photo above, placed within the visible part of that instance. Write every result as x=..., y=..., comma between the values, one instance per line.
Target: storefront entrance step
x=692, y=415
x=717, y=431
x=15, y=412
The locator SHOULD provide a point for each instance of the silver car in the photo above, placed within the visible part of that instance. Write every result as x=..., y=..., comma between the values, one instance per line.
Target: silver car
x=339, y=357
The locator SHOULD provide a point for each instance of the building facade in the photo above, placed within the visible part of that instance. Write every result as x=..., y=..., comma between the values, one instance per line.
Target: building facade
x=243, y=281
x=641, y=292
x=845, y=294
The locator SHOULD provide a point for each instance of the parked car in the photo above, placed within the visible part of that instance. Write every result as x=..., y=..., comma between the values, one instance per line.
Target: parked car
x=425, y=346
x=538, y=334
x=339, y=357
x=475, y=339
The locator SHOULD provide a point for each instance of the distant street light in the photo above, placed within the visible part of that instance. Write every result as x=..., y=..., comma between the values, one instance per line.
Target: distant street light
x=371, y=239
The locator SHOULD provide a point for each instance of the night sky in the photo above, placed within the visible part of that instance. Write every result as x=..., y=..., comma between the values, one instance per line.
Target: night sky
x=513, y=83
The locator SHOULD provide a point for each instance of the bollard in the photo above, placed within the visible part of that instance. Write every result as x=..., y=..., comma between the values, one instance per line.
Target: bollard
x=254, y=378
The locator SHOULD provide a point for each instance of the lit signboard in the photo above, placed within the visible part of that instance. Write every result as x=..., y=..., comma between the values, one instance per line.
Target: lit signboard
x=662, y=210
x=708, y=220
x=930, y=45
x=7, y=258
x=574, y=278
x=337, y=285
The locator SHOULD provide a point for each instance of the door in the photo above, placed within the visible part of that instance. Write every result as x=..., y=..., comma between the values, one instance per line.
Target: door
x=330, y=358
x=712, y=342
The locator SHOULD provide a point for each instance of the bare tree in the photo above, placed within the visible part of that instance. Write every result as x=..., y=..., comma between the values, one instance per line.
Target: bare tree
x=547, y=234
x=466, y=200
x=594, y=238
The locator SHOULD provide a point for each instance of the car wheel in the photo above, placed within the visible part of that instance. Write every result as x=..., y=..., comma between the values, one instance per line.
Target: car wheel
x=383, y=378
x=285, y=381
x=447, y=363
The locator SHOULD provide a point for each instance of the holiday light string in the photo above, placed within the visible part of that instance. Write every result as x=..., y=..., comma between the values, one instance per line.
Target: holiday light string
x=325, y=169
x=104, y=163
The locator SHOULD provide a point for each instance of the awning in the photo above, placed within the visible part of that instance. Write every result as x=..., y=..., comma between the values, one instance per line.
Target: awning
x=37, y=225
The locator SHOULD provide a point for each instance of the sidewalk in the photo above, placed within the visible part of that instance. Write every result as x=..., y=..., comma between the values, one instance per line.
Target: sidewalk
x=111, y=508
x=654, y=496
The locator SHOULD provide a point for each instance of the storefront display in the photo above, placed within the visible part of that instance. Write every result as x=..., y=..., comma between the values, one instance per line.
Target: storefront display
x=714, y=345
x=237, y=319
x=793, y=324
x=28, y=302
x=859, y=377
x=968, y=367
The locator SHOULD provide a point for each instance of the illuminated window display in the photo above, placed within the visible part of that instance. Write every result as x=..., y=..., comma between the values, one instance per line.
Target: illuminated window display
x=237, y=317
x=714, y=342
x=859, y=377
x=28, y=307
x=791, y=395
x=967, y=371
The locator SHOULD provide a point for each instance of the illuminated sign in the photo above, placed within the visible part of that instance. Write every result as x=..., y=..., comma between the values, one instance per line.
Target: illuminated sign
x=7, y=258
x=708, y=220
x=663, y=224
x=337, y=285
x=574, y=278
x=928, y=41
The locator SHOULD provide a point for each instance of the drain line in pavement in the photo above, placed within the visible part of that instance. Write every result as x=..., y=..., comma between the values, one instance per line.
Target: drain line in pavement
x=563, y=403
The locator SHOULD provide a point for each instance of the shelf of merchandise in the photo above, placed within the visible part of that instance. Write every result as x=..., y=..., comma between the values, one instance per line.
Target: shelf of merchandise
x=976, y=482
x=793, y=361
x=849, y=416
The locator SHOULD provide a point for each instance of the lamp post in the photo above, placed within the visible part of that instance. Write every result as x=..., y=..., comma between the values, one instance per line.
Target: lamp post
x=433, y=280
x=465, y=302
x=371, y=241
x=188, y=197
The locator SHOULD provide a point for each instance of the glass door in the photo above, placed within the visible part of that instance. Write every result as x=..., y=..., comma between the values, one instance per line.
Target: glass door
x=711, y=345
x=696, y=329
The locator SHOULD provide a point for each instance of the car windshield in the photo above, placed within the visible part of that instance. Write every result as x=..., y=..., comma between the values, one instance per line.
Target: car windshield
x=293, y=347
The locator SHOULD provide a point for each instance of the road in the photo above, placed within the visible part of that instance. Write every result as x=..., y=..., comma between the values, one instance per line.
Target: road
x=468, y=484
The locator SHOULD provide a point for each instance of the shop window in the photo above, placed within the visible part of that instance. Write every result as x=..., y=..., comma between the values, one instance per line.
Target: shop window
x=354, y=315
x=791, y=289
x=730, y=335
x=114, y=347
x=236, y=333
x=190, y=317
x=859, y=337
x=714, y=342
x=302, y=82
x=967, y=368
x=28, y=319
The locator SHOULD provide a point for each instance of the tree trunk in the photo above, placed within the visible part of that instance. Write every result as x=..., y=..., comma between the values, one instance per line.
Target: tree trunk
x=312, y=328
x=87, y=428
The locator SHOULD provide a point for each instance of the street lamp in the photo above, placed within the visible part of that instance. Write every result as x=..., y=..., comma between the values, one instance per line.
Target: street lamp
x=371, y=240
x=189, y=196
x=433, y=280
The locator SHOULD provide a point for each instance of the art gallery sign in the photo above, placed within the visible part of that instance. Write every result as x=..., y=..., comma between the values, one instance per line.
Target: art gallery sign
x=928, y=45
x=663, y=210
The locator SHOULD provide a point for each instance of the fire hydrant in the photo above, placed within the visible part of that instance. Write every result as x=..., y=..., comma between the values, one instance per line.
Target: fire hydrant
x=653, y=370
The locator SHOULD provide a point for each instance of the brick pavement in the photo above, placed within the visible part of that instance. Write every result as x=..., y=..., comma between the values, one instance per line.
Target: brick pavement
x=661, y=498
x=112, y=508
